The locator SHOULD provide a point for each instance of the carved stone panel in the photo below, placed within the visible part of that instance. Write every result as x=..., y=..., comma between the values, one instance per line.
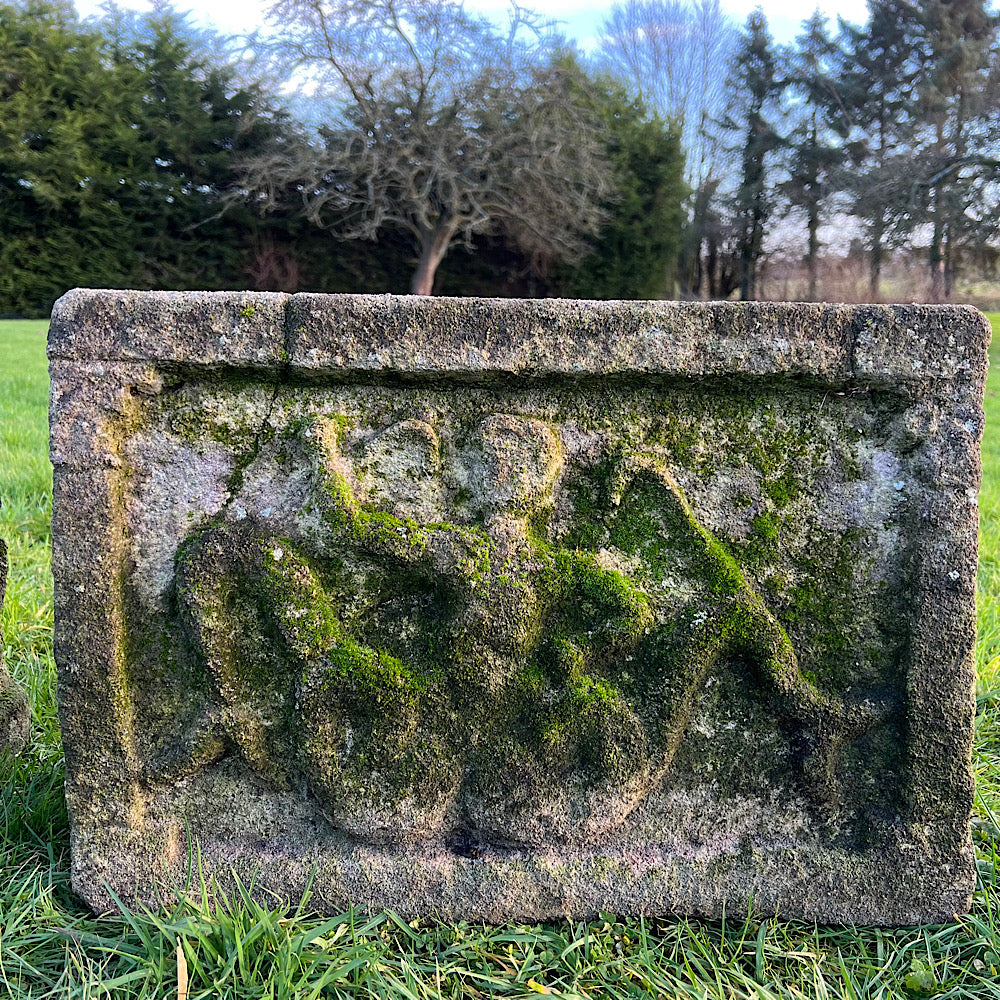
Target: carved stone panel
x=498, y=609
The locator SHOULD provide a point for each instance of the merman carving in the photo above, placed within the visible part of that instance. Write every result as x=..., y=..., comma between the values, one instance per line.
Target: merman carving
x=425, y=678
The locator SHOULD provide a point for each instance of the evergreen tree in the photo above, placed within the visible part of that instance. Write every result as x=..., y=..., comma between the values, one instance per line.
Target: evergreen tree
x=117, y=141
x=815, y=141
x=189, y=119
x=59, y=119
x=634, y=255
x=955, y=84
x=755, y=89
x=877, y=86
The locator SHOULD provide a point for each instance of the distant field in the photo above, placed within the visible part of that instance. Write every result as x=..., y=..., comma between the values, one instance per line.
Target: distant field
x=51, y=947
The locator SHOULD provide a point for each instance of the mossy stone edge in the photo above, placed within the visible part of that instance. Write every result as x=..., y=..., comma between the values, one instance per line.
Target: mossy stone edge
x=112, y=351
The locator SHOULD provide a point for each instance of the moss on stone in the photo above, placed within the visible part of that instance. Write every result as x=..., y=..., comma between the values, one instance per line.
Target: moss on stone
x=572, y=646
x=372, y=673
x=601, y=604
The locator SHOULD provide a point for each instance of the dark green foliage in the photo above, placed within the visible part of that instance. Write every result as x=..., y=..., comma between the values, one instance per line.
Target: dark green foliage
x=893, y=123
x=757, y=89
x=119, y=141
x=116, y=147
x=635, y=253
x=187, y=117
x=121, y=138
x=57, y=121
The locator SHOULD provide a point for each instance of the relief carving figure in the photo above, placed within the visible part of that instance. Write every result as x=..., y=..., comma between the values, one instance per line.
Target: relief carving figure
x=516, y=610
x=429, y=651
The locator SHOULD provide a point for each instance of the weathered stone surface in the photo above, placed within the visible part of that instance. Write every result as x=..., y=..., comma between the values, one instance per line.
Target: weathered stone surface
x=504, y=609
x=15, y=717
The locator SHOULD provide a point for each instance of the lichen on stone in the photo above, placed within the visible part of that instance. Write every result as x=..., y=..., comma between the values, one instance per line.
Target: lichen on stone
x=505, y=610
x=526, y=669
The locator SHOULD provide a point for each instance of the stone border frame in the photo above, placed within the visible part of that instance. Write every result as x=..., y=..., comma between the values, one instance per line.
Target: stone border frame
x=108, y=349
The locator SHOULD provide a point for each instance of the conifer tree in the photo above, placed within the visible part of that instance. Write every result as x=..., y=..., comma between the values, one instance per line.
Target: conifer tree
x=755, y=89
x=58, y=113
x=956, y=93
x=877, y=86
x=815, y=141
x=117, y=145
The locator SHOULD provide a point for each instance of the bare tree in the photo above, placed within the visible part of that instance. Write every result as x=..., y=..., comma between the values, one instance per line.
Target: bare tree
x=442, y=126
x=674, y=55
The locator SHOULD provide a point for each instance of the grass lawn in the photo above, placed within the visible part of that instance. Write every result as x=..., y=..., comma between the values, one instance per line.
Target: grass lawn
x=50, y=946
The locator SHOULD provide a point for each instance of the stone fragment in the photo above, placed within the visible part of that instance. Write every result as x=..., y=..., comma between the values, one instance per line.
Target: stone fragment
x=518, y=610
x=14, y=714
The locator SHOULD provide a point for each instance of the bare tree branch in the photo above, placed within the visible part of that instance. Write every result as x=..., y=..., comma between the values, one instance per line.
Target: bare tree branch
x=674, y=54
x=444, y=127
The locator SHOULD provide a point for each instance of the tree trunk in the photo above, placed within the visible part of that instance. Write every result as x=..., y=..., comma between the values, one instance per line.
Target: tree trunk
x=875, y=273
x=875, y=261
x=936, y=257
x=433, y=246
x=712, y=268
x=746, y=282
x=813, y=255
x=812, y=190
x=948, y=266
x=936, y=262
x=696, y=284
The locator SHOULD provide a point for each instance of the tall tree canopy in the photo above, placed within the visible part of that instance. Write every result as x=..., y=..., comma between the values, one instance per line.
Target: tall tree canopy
x=876, y=80
x=673, y=55
x=58, y=128
x=756, y=87
x=134, y=150
x=634, y=255
x=957, y=93
x=117, y=146
x=815, y=140
x=188, y=119
x=440, y=126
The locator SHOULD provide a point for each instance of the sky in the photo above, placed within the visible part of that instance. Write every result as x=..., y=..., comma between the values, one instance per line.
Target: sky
x=581, y=19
